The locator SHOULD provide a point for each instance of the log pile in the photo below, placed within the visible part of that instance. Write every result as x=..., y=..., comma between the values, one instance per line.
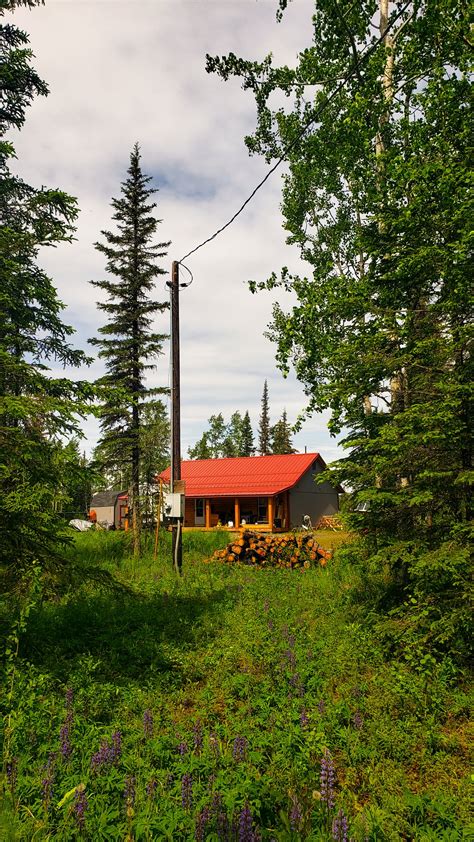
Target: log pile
x=264, y=550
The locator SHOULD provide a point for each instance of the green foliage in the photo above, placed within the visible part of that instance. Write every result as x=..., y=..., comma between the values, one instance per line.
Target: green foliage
x=378, y=201
x=281, y=436
x=241, y=679
x=36, y=410
x=223, y=440
x=264, y=431
x=128, y=341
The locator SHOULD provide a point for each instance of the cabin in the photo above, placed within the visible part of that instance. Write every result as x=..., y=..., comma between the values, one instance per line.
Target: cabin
x=274, y=493
x=110, y=508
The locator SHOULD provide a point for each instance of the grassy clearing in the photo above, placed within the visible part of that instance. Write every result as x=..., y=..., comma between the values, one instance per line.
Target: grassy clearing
x=231, y=704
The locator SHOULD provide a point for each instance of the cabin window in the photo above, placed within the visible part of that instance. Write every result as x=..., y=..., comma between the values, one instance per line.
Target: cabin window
x=262, y=515
x=200, y=507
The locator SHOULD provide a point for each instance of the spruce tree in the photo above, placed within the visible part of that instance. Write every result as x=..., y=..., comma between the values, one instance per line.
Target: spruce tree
x=248, y=446
x=36, y=410
x=264, y=426
x=127, y=342
x=281, y=436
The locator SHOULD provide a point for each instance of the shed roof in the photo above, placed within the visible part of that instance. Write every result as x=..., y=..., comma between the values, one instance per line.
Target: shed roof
x=245, y=476
x=105, y=498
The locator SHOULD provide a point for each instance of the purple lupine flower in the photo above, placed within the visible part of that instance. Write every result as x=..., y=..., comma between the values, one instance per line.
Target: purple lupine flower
x=321, y=706
x=65, y=737
x=169, y=781
x=187, y=791
x=81, y=806
x=284, y=631
x=327, y=779
x=182, y=748
x=129, y=792
x=210, y=783
x=291, y=641
x=245, y=827
x=296, y=815
x=222, y=826
x=266, y=606
x=271, y=625
x=148, y=723
x=151, y=789
x=11, y=770
x=304, y=720
x=202, y=821
x=198, y=738
x=339, y=827
x=358, y=720
x=101, y=758
x=290, y=657
x=116, y=746
x=47, y=789
x=239, y=751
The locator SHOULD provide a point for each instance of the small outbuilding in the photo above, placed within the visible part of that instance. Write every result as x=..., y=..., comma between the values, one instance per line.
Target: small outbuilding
x=274, y=492
x=110, y=507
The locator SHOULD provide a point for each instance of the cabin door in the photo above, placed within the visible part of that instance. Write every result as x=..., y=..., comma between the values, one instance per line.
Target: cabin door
x=199, y=514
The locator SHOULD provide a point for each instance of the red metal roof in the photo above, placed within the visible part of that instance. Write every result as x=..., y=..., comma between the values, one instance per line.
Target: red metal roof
x=246, y=476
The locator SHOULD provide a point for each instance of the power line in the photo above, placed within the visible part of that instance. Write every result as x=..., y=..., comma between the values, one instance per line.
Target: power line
x=294, y=142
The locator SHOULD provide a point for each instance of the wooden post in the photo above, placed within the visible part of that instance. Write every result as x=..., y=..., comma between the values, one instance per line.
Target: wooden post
x=270, y=513
x=175, y=411
x=236, y=512
x=208, y=513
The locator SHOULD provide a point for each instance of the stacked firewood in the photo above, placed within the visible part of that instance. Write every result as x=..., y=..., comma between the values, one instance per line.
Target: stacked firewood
x=286, y=550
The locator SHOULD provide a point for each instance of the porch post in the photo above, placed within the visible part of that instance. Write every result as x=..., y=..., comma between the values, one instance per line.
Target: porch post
x=207, y=504
x=270, y=513
x=237, y=512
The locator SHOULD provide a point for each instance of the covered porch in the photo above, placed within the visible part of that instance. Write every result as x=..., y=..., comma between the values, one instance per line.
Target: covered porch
x=267, y=514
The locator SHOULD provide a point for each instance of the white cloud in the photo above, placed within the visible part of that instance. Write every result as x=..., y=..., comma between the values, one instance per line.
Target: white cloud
x=127, y=70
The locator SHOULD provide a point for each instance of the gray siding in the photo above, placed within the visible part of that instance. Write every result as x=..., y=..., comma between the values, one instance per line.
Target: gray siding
x=307, y=498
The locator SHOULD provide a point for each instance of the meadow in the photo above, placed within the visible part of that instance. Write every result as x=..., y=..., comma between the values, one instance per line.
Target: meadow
x=231, y=704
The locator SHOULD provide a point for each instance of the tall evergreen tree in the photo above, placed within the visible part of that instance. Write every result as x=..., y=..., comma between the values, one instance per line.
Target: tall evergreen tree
x=281, y=436
x=127, y=342
x=264, y=447
x=36, y=410
x=248, y=445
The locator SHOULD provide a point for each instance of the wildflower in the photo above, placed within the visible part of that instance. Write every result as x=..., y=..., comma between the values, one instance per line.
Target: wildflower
x=11, y=770
x=295, y=815
x=304, y=720
x=327, y=779
x=290, y=656
x=182, y=748
x=358, y=720
x=169, y=781
x=266, y=606
x=291, y=641
x=245, y=826
x=64, y=736
x=151, y=788
x=321, y=706
x=271, y=625
x=339, y=827
x=116, y=746
x=129, y=792
x=187, y=791
x=198, y=739
x=148, y=723
x=81, y=805
x=201, y=823
x=239, y=751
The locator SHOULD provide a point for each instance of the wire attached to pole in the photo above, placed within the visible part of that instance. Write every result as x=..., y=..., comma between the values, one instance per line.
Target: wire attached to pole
x=299, y=137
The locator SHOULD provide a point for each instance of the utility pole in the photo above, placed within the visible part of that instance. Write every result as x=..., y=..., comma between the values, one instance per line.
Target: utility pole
x=177, y=544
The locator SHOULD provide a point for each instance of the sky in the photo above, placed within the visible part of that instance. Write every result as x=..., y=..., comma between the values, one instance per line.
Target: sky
x=121, y=71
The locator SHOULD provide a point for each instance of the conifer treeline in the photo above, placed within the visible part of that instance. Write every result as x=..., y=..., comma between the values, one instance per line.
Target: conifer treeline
x=236, y=438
